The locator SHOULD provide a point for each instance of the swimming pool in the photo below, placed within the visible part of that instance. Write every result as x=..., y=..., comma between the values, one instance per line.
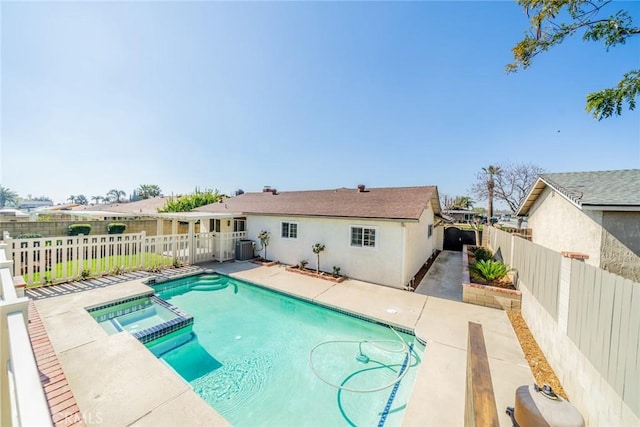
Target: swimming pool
x=263, y=358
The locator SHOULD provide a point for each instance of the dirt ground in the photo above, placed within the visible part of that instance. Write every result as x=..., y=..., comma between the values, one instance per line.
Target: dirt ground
x=542, y=372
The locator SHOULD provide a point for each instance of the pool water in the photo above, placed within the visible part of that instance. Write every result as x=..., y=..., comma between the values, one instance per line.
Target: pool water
x=248, y=356
x=143, y=319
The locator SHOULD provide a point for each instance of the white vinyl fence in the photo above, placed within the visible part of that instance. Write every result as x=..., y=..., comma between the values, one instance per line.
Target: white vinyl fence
x=59, y=259
x=22, y=399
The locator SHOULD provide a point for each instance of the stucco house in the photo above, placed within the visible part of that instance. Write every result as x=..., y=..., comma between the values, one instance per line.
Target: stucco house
x=460, y=215
x=592, y=213
x=378, y=235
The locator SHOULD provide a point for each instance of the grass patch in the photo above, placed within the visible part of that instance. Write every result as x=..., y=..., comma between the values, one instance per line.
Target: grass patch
x=113, y=264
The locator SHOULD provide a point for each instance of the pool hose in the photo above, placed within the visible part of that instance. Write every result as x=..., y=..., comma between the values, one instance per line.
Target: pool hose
x=362, y=358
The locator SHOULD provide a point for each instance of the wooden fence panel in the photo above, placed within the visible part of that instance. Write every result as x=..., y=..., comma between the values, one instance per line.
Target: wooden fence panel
x=604, y=322
x=614, y=372
x=539, y=270
x=632, y=368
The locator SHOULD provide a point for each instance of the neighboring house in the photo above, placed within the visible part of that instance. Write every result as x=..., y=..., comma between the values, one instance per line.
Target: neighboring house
x=460, y=215
x=593, y=213
x=378, y=235
x=29, y=205
x=10, y=214
x=144, y=206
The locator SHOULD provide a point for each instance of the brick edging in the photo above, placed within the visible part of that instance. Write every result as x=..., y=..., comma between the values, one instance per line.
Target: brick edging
x=62, y=404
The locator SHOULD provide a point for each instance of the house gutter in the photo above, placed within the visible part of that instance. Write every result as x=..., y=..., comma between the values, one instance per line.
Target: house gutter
x=616, y=208
x=404, y=250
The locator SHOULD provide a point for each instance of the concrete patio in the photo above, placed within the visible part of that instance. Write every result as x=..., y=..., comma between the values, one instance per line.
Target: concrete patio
x=116, y=379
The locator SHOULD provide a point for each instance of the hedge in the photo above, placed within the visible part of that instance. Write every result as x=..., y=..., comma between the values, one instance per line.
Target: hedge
x=76, y=229
x=116, y=228
x=29, y=236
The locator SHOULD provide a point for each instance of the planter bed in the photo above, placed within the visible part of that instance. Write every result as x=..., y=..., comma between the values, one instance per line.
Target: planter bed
x=312, y=273
x=487, y=295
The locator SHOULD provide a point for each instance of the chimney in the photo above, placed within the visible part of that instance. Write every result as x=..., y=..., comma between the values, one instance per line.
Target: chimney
x=361, y=188
x=267, y=189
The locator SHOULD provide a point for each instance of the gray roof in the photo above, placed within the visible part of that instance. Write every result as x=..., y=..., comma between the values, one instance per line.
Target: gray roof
x=608, y=190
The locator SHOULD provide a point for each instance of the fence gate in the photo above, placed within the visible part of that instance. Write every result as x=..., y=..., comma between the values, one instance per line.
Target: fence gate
x=454, y=238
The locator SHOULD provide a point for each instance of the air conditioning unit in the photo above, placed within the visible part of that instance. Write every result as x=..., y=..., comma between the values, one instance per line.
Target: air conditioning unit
x=244, y=250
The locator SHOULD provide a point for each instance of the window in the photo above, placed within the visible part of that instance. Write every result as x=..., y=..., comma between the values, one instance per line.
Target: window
x=239, y=224
x=430, y=231
x=363, y=237
x=289, y=230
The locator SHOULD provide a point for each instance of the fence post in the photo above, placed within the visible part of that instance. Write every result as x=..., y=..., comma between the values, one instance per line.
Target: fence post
x=564, y=289
x=174, y=239
x=191, y=241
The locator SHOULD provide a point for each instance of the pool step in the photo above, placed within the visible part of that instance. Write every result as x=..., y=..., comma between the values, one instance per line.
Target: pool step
x=208, y=287
x=209, y=278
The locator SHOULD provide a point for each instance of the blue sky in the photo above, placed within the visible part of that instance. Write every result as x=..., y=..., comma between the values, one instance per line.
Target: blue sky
x=228, y=95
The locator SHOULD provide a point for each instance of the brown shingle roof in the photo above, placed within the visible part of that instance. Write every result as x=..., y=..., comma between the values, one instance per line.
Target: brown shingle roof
x=383, y=203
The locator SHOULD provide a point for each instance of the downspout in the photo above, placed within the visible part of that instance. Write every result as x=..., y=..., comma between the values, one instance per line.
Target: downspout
x=403, y=282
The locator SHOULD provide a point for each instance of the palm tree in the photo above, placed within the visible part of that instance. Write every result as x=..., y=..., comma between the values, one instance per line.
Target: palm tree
x=492, y=171
x=7, y=197
x=82, y=200
x=97, y=199
x=115, y=195
x=466, y=202
x=71, y=199
x=146, y=191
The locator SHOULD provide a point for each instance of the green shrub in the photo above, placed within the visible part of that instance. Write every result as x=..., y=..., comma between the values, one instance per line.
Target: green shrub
x=29, y=236
x=76, y=229
x=116, y=228
x=490, y=270
x=303, y=264
x=336, y=271
x=483, y=254
x=85, y=274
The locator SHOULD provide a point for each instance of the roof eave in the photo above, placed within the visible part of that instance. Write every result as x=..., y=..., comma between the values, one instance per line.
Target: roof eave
x=536, y=190
x=369, y=218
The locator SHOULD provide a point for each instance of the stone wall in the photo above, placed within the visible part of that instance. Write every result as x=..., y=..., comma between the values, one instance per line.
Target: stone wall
x=59, y=228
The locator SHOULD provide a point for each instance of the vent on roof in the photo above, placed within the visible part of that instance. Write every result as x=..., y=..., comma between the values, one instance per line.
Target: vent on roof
x=267, y=189
x=361, y=188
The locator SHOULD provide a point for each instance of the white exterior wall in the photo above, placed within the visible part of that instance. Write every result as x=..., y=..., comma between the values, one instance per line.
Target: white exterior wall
x=439, y=237
x=418, y=245
x=559, y=225
x=382, y=264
